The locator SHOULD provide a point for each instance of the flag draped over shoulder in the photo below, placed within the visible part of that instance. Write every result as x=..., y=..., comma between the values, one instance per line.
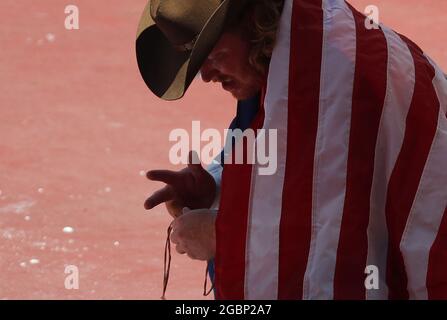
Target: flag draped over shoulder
x=361, y=177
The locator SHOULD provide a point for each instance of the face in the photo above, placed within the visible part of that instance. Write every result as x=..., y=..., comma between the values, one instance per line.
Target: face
x=228, y=64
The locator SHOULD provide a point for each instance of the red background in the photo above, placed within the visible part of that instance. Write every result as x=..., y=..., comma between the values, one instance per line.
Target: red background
x=78, y=124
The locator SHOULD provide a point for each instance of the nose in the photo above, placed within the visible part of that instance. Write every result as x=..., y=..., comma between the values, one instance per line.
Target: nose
x=207, y=71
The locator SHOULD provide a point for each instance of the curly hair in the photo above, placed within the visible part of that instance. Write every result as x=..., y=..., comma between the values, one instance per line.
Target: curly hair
x=264, y=25
x=260, y=23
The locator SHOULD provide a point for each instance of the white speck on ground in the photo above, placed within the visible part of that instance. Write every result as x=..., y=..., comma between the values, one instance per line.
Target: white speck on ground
x=34, y=261
x=116, y=243
x=107, y=189
x=142, y=173
x=27, y=218
x=68, y=230
x=50, y=37
x=40, y=190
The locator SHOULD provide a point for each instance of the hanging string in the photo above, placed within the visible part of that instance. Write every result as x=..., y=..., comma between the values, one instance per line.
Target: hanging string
x=205, y=285
x=167, y=268
x=167, y=262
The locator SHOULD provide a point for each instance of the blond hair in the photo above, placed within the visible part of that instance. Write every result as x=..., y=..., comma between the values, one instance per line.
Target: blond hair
x=264, y=17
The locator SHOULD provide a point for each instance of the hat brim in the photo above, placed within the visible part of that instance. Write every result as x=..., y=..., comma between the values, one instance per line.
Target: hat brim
x=167, y=71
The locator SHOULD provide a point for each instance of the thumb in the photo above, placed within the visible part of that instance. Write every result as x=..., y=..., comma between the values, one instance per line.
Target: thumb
x=185, y=210
x=194, y=161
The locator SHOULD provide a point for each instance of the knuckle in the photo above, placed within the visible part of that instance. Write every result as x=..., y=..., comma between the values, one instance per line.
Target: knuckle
x=180, y=249
x=191, y=255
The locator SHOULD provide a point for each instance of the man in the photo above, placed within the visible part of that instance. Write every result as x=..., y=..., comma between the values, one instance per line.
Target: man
x=243, y=81
x=362, y=142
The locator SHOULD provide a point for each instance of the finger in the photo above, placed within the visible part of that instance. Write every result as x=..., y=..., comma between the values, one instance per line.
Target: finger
x=174, y=208
x=175, y=239
x=194, y=161
x=160, y=196
x=166, y=176
x=180, y=249
x=192, y=256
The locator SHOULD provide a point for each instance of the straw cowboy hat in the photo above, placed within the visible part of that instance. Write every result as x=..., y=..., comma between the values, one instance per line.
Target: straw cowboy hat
x=175, y=37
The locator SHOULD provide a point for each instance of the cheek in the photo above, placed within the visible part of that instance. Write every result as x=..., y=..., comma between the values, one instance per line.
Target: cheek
x=233, y=69
x=236, y=64
x=242, y=68
x=225, y=67
x=248, y=77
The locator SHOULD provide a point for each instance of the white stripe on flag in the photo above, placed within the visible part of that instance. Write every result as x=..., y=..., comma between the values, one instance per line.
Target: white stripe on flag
x=440, y=83
x=399, y=93
x=262, y=248
x=331, y=153
x=428, y=207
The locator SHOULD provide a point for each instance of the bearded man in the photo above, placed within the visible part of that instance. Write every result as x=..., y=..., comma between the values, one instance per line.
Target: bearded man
x=357, y=206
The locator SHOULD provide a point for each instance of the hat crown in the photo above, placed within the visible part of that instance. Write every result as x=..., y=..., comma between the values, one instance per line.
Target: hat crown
x=182, y=20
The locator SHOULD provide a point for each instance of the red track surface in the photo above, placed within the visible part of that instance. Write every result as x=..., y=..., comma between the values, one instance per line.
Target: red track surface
x=78, y=126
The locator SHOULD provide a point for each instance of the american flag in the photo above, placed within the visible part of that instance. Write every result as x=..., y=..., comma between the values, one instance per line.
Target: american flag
x=362, y=168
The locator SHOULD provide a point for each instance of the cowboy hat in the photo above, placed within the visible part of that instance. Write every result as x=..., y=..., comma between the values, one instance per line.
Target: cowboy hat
x=174, y=38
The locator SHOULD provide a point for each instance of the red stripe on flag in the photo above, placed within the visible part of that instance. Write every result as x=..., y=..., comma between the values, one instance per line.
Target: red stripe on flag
x=367, y=103
x=420, y=130
x=295, y=229
x=231, y=225
x=436, y=275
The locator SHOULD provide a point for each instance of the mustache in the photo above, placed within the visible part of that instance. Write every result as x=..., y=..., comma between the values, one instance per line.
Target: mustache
x=221, y=79
x=215, y=78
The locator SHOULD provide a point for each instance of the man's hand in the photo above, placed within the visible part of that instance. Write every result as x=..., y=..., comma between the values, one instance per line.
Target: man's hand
x=191, y=187
x=194, y=233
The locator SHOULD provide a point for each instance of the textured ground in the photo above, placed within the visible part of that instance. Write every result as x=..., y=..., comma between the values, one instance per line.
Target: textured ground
x=77, y=130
